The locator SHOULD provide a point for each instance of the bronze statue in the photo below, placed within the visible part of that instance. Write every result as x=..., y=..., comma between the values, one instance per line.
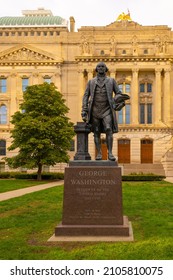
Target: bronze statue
x=99, y=106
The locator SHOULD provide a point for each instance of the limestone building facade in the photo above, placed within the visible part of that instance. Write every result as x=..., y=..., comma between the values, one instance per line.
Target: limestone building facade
x=39, y=47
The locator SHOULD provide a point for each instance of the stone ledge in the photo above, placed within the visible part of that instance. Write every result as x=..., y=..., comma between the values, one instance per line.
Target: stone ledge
x=92, y=163
x=92, y=238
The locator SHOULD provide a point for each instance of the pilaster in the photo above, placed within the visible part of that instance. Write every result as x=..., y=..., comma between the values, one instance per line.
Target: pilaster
x=112, y=73
x=157, y=98
x=167, y=97
x=135, y=98
x=81, y=90
x=57, y=79
x=13, y=98
x=90, y=74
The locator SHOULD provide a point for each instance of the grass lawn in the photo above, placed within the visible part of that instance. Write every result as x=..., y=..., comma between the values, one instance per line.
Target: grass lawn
x=15, y=184
x=28, y=222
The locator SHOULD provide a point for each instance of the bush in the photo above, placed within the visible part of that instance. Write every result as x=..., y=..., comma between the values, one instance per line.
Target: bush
x=142, y=177
x=5, y=175
x=32, y=176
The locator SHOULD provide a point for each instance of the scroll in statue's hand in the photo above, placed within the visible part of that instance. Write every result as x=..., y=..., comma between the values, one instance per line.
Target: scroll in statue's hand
x=84, y=116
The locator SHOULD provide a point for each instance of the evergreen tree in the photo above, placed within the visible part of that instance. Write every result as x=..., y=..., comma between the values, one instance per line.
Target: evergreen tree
x=42, y=131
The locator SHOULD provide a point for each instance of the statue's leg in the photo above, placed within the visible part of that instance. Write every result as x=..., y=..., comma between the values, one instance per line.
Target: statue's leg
x=97, y=140
x=107, y=121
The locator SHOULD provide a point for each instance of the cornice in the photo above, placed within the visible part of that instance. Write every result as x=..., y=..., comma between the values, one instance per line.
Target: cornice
x=29, y=63
x=145, y=129
x=124, y=59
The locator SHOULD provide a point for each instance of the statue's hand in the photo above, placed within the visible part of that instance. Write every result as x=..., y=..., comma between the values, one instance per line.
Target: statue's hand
x=84, y=116
x=119, y=106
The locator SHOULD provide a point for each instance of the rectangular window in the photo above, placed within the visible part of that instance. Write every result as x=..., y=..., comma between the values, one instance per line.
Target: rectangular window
x=127, y=88
x=142, y=87
x=47, y=80
x=127, y=115
x=142, y=113
x=121, y=87
x=25, y=83
x=120, y=116
x=3, y=85
x=2, y=147
x=149, y=113
x=3, y=114
x=149, y=87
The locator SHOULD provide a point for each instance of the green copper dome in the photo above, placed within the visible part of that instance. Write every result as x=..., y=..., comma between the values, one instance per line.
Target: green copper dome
x=32, y=21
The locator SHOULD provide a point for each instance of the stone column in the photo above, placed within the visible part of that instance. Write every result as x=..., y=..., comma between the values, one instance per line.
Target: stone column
x=90, y=74
x=35, y=78
x=81, y=89
x=13, y=102
x=112, y=74
x=167, y=97
x=134, y=98
x=157, y=98
x=57, y=78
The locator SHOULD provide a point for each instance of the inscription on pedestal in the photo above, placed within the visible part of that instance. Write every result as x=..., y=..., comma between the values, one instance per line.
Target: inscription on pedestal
x=92, y=196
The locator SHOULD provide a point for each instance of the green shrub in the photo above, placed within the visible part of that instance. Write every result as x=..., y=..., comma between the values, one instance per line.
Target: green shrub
x=5, y=175
x=32, y=176
x=45, y=176
x=143, y=177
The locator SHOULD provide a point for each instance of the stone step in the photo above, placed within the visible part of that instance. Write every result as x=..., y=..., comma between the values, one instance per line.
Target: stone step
x=145, y=168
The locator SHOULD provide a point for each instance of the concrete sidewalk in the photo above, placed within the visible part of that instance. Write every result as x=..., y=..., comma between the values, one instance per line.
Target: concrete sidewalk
x=169, y=179
x=17, y=193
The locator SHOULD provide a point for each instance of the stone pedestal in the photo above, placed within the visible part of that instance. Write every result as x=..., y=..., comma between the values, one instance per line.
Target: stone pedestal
x=92, y=205
x=167, y=162
x=82, y=130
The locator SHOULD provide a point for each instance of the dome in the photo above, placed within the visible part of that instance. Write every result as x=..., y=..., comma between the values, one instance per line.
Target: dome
x=32, y=21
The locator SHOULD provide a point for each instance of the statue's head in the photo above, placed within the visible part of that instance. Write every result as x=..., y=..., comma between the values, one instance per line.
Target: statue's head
x=103, y=65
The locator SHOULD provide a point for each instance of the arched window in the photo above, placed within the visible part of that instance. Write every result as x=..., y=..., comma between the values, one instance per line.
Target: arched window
x=47, y=79
x=3, y=114
x=2, y=147
x=123, y=116
x=125, y=87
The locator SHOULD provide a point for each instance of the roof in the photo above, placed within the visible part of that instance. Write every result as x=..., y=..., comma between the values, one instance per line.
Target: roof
x=32, y=21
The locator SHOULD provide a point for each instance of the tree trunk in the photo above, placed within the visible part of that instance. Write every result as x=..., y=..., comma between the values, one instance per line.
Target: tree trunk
x=39, y=172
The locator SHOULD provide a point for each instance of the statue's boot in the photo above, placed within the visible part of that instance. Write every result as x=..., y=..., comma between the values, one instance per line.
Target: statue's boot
x=109, y=139
x=98, y=146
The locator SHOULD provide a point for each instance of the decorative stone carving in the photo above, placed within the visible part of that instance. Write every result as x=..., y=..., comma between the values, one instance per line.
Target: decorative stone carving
x=25, y=54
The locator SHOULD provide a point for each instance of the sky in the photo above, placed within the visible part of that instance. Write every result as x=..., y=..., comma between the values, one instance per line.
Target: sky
x=97, y=12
